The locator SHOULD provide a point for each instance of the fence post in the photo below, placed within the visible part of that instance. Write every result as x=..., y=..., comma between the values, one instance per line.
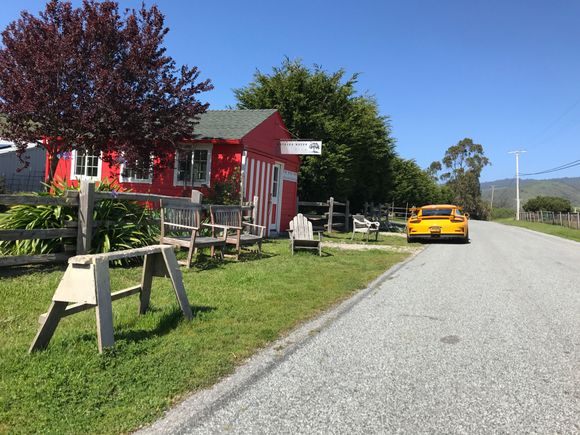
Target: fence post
x=347, y=216
x=330, y=212
x=578, y=220
x=196, y=196
x=85, y=217
x=255, y=209
x=561, y=224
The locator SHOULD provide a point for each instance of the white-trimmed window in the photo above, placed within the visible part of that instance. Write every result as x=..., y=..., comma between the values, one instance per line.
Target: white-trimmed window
x=85, y=166
x=128, y=175
x=193, y=166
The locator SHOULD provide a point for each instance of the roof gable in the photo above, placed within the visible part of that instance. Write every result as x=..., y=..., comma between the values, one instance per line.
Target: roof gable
x=229, y=124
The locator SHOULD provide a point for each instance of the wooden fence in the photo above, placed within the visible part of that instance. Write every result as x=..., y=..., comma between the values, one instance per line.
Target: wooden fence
x=324, y=215
x=386, y=213
x=81, y=229
x=570, y=220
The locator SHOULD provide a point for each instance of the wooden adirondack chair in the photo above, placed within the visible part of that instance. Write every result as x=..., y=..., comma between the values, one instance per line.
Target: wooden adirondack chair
x=181, y=226
x=360, y=224
x=302, y=236
x=239, y=234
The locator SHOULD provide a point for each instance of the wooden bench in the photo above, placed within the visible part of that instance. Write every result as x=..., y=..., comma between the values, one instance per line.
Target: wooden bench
x=85, y=285
x=302, y=236
x=239, y=233
x=181, y=226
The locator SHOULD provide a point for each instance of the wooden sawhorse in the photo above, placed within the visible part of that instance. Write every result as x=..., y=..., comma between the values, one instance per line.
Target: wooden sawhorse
x=86, y=285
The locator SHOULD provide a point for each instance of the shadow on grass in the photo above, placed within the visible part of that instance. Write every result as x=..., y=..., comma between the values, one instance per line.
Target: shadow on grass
x=167, y=323
x=16, y=271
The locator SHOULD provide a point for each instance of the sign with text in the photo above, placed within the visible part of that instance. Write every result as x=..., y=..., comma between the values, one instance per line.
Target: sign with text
x=301, y=147
x=290, y=176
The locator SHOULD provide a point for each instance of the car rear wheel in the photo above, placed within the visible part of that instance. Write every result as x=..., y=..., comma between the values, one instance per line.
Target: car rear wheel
x=466, y=238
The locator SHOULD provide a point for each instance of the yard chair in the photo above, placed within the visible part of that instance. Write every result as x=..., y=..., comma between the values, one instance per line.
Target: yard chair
x=240, y=234
x=181, y=226
x=302, y=236
x=360, y=224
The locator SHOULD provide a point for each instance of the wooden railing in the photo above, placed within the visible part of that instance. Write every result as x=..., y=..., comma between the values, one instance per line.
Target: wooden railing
x=81, y=229
x=570, y=220
x=324, y=215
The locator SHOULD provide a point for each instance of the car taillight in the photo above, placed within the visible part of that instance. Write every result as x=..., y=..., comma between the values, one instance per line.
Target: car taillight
x=457, y=219
x=415, y=220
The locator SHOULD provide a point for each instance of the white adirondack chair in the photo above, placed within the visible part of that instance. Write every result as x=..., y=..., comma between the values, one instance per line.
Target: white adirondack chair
x=302, y=236
x=360, y=224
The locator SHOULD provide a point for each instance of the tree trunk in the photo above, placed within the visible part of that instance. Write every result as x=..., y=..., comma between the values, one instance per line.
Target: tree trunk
x=53, y=158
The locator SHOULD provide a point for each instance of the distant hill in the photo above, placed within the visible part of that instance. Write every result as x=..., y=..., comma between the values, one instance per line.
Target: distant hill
x=505, y=190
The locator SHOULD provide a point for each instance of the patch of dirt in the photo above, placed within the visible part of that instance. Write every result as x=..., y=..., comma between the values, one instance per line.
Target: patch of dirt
x=364, y=247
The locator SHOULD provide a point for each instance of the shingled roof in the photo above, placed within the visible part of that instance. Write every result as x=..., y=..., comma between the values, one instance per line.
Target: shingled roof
x=229, y=124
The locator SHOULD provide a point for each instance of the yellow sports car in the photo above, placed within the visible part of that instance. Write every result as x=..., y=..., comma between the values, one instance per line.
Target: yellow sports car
x=440, y=221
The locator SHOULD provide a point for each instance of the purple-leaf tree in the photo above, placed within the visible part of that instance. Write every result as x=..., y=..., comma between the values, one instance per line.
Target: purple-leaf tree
x=97, y=80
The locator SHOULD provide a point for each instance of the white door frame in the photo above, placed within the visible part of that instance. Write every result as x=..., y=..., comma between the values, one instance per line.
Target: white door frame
x=276, y=226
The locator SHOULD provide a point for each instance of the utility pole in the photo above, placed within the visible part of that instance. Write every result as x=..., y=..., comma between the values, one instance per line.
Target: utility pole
x=517, y=153
x=491, y=205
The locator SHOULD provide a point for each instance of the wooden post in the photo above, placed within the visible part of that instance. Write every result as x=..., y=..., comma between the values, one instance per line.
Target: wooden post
x=196, y=196
x=347, y=216
x=578, y=220
x=104, y=308
x=255, y=203
x=561, y=224
x=330, y=212
x=86, y=206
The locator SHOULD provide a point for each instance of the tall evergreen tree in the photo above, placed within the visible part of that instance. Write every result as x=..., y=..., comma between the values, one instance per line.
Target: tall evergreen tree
x=358, y=149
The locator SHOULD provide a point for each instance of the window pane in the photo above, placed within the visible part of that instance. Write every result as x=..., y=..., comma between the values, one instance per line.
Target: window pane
x=80, y=163
x=275, y=178
x=184, y=166
x=200, y=166
x=86, y=165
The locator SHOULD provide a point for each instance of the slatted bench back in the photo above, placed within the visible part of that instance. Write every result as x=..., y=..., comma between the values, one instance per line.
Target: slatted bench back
x=178, y=214
x=230, y=215
x=301, y=228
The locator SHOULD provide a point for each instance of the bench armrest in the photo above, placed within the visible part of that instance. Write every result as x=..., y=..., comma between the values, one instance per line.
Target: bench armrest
x=187, y=227
x=261, y=228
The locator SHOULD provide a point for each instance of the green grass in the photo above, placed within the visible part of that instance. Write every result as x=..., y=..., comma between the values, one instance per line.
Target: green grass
x=555, y=230
x=391, y=239
x=159, y=357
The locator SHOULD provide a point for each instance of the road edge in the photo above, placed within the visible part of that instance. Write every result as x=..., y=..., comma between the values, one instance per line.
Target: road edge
x=191, y=411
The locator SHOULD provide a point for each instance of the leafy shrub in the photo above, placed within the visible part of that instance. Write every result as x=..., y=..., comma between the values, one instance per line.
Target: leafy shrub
x=501, y=213
x=225, y=191
x=121, y=224
x=548, y=203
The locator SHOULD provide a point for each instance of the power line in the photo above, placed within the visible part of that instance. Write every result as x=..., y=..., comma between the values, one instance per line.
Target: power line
x=557, y=168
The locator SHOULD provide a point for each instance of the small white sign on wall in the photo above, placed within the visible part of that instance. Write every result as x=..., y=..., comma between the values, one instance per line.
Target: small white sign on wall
x=301, y=147
x=290, y=176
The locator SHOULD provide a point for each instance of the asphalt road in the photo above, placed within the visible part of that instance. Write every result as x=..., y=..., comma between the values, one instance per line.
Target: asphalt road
x=477, y=338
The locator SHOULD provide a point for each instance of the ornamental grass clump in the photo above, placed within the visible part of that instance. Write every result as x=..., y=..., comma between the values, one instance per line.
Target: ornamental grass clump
x=119, y=224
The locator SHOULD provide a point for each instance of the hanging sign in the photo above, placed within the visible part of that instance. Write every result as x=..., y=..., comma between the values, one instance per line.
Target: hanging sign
x=301, y=147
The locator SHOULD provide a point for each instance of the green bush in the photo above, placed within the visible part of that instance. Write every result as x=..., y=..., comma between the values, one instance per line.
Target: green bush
x=548, y=203
x=502, y=213
x=121, y=224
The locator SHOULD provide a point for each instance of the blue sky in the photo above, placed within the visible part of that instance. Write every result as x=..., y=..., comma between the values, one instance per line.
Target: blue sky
x=505, y=73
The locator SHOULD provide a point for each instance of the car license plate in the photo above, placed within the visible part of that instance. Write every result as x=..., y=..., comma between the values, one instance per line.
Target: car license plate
x=435, y=230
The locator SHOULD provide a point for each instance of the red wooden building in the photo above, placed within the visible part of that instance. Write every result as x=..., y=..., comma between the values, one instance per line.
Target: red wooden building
x=223, y=142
